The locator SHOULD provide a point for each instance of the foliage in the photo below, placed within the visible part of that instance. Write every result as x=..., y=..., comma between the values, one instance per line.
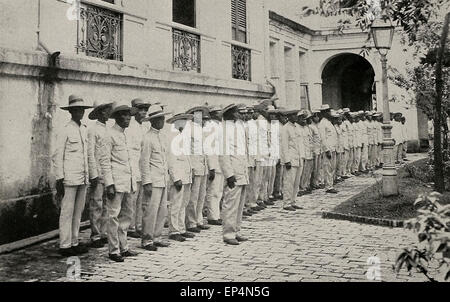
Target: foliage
x=433, y=230
x=410, y=15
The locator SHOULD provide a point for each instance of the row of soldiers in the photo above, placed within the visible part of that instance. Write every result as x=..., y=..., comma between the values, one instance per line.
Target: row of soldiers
x=145, y=172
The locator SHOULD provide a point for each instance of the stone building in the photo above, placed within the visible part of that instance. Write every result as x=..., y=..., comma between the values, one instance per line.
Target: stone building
x=179, y=52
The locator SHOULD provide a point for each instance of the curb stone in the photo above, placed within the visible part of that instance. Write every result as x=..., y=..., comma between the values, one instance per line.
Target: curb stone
x=364, y=219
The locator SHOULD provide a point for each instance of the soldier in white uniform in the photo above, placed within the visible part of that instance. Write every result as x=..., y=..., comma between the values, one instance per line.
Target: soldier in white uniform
x=329, y=142
x=317, y=149
x=120, y=181
x=365, y=143
x=214, y=187
x=155, y=180
x=194, y=211
x=72, y=176
x=290, y=159
x=350, y=140
x=135, y=134
x=234, y=167
x=180, y=175
x=97, y=207
x=305, y=137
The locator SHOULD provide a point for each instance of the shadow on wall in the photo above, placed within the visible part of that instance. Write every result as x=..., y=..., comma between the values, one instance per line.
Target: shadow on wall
x=30, y=216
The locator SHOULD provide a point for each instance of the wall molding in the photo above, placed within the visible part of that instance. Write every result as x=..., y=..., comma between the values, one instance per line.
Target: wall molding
x=92, y=70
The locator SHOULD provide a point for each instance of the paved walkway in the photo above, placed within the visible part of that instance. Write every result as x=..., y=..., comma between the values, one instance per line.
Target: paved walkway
x=299, y=246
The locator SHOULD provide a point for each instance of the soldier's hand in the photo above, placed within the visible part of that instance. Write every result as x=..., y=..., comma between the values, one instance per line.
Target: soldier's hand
x=60, y=187
x=212, y=174
x=329, y=155
x=231, y=182
x=148, y=190
x=288, y=166
x=178, y=185
x=111, y=192
x=94, y=182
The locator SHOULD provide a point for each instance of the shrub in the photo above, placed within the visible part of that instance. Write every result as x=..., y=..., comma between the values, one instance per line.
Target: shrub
x=433, y=231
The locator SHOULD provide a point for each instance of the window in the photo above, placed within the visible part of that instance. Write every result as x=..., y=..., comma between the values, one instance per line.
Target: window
x=239, y=20
x=186, y=51
x=183, y=12
x=241, y=63
x=100, y=33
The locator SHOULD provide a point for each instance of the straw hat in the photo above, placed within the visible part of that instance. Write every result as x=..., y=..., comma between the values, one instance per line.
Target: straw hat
x=155, y=112
x=180, y=116
x=75, y=101
x=139, y=103
x=122, y=106
x=98, y=106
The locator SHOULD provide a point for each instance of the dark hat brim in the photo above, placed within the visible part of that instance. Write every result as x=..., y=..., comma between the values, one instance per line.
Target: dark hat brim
x=93, y=114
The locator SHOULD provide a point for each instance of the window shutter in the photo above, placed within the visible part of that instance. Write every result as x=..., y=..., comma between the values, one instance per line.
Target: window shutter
x=242, y=14
x=239, y=20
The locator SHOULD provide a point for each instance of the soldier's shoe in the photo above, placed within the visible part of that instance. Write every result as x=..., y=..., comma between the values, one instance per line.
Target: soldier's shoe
x=193, y=230
x=278, y=196
x=134, y=234
x=405, y=159
x=289, y=208
x=161, y=244
x=296, y=207
x=177, y=237
x=241, y=238
x=80, y=249
x=214, y=222
x=272, y=198
x=231, y=241
x=116, y=257
x=257, y=209
x=300, y=193
x=203, y=227
x=269, y=203
x=150, y=247
x=261, y=204
x=67, y=252
x=129, y=254
x=345, y=177
x=308, y=191
x=97, y=244
x=322, y=186
x=246, y=214
x=104, y=240
x=251, y=211
x=332, y=191
x=188, y=235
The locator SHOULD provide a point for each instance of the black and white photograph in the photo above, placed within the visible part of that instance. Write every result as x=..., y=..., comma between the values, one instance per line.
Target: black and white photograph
x=208, y=142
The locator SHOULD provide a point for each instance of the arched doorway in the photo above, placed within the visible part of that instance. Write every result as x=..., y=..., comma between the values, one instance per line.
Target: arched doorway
x=348, y=81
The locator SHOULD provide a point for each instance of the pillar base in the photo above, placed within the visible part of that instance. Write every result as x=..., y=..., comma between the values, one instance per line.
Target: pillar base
x=390, y=182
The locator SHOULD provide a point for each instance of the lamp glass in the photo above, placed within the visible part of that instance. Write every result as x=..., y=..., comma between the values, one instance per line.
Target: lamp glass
x=383, y=33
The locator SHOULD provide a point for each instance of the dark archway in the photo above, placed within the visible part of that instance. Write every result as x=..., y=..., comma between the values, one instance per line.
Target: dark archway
x=348, y=81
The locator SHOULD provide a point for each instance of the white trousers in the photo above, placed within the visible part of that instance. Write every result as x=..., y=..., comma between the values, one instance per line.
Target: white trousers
x=72, y=206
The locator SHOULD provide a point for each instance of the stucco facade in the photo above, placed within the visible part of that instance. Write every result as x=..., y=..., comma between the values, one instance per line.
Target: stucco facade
x=291, y=54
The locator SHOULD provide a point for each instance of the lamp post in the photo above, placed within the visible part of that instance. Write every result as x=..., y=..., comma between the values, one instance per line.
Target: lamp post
x=383, y=33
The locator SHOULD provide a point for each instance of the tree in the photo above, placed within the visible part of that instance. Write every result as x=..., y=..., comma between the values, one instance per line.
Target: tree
x=411, y=16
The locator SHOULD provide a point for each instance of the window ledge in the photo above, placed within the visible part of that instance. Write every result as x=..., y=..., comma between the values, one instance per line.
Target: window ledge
x=185, y=28
x=114, y=7
x=240, y=44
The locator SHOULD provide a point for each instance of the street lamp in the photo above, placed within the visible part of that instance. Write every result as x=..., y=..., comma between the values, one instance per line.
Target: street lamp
x=383, y=33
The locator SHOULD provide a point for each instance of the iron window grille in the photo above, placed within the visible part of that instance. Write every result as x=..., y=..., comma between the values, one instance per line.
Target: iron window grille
x=100, y=33
x=186, y=51
x=241, y=63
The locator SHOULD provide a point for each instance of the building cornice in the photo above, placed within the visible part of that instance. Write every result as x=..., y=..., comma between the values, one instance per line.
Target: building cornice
x=92, y=70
